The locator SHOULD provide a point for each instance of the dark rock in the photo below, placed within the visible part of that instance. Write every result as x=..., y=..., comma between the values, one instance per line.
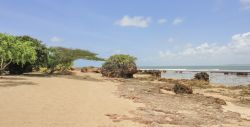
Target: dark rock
x=201, y=76
x=154, y=73
x=241, y=73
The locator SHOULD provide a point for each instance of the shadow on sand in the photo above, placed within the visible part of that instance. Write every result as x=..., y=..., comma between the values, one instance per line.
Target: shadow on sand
x=14, y=81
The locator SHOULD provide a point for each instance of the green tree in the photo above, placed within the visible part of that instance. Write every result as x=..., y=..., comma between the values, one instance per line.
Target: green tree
x=120, y=66
x=41, y=54
x=61, y=59
x=16, y=51
x=41, y=50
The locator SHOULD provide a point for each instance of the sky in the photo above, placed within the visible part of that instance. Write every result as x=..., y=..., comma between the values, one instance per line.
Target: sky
x=157, y=32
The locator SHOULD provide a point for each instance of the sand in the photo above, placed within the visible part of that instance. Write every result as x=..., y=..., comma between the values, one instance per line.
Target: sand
x=89, y=100
x=61, y=102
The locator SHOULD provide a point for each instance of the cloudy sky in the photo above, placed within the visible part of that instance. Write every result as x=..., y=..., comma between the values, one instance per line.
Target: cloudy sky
x=157, y=32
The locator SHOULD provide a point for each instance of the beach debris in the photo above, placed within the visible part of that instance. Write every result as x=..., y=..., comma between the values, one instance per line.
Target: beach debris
x=182, y=89
x=201, y=76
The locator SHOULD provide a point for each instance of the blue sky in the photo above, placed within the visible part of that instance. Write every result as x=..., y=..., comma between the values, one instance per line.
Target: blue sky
x=159, y=32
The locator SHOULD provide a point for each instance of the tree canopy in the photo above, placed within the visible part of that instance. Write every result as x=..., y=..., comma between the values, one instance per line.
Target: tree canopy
x=61, y=58
x=16, y=51
x=120, y=66
x=41, y=50
x=20, y=52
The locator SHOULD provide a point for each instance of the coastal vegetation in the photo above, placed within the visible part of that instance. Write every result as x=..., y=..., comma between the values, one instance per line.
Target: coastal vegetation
x=15, y=51
x=20, y=54
x=182, y=89
x=119, y=66
x=61, y=59
x=41, y=57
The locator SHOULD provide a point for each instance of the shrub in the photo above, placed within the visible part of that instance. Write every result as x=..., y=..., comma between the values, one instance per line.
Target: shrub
x=119, y=66
x=182, y=89
x=202, y=76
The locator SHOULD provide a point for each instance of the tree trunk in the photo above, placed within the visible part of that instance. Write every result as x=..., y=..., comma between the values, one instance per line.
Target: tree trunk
x=1, y=71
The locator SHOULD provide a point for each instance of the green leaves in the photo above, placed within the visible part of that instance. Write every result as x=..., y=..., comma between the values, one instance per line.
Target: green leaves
x=22, y=51
x=61, y=58
x=16, y=51
x=41, y=50
x=119, y=66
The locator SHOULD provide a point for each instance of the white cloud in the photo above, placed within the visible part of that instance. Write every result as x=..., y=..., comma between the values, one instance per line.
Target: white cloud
x=177, y=21
x=56, y=39
x=162, y=21
x=136, y=21
x=236, y=51
x=245, y=4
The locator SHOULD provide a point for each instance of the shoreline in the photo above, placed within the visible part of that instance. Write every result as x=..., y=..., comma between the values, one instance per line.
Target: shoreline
x=230, y=78
x=200, y=70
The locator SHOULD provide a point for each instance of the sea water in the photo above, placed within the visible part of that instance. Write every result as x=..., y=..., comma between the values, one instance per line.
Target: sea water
x=216, y=77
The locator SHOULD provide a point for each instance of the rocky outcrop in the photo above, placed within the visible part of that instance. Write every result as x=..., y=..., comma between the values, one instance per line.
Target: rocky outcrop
x=241, y=73
x=201, y=76
x=154, y=73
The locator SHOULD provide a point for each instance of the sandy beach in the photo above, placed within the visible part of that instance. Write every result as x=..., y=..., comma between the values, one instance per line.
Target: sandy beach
x=60, y=102
x=130, y=63
x=89, y=100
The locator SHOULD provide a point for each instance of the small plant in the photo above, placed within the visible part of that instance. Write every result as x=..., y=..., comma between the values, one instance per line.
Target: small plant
x=202, y=76
x=182, y=89
x=119, y=66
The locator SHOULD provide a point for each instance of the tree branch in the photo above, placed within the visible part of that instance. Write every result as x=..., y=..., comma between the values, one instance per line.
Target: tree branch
x=7, y=64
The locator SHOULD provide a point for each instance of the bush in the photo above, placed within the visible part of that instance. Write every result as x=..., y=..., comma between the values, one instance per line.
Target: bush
x=182, y=89
x=202, y=76
x=119, y=66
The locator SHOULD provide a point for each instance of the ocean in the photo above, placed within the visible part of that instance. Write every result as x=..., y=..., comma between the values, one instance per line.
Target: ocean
x=216, y=77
